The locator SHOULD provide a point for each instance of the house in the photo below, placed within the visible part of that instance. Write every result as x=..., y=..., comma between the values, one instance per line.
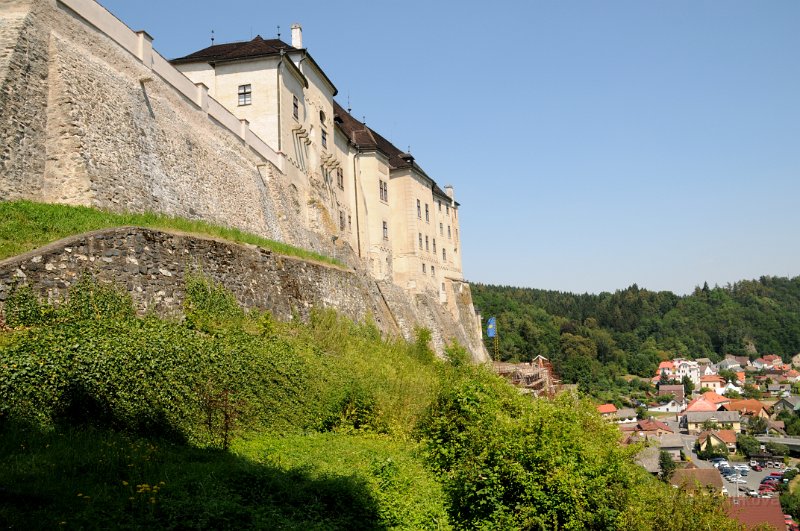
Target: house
x=716, y=399
x=650, y=428
x=626, y=415
x=701, y=404
x=773, y=360
x=759, y=364
x=693, y=421
x=779, y=390
x=747, y=407
x=383, y=207
x=786, y=403
x=728, y=364
x=666, y=369
x=717, y=439
x=730, y=388
x=687, y=369
x=756, y=512
x=714, y=382
x=607, y=411
x=673, y=406
x=697, y=480
x=672, y=444
x=675, y=390
x=706, y=367
x=792, y=376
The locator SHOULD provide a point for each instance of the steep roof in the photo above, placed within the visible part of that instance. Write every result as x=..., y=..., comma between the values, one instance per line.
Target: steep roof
x=676, y=390
x=604, y=409
x=720, y=416
x=232, y=51
x=366, y=138
x=689, y=478
x=652, y=425
x=714, y=398
x=726, y=436
x=754, y=511
x=750, y=405
x=700, y=404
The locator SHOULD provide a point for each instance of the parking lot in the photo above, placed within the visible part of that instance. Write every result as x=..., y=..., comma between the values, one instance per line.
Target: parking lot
x=753, y=479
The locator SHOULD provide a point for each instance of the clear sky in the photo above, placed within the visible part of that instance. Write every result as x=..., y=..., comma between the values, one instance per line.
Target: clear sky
x=592, y=145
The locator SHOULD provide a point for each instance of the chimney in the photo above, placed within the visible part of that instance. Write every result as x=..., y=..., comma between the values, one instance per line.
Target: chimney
x=297, y=36
x=448, y=189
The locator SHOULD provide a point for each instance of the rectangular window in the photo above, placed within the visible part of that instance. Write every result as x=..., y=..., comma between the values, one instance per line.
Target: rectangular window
x=349, y=223
x=245, y=95
x=419, y=209
x=448, y=232
x=434, y=246
x=340, y=178
x=384, y=190
x=447, y=209
x=427, y=214
x=420, y=241
x=441, y=229
x=423, y=268
x=341, y=220
x=433, y=271
x=440, y=205
x=426, y=244
x=324, y=138
x=444, y=255
x=295, y=108
x=385, y=230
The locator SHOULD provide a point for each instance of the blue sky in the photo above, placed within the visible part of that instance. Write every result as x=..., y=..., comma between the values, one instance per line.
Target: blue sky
x=592, y=145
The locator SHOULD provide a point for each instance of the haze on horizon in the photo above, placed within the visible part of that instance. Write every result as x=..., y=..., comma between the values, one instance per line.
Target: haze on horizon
x=592, y=146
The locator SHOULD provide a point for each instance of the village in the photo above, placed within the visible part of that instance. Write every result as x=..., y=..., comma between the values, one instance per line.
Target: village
x=729, y=428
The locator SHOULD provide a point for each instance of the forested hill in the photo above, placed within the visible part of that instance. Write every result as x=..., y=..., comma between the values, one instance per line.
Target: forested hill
x=595, y=339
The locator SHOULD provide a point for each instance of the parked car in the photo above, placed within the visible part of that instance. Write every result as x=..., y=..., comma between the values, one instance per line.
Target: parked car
x=757, y=467
x=739, y=480
x=752, y=493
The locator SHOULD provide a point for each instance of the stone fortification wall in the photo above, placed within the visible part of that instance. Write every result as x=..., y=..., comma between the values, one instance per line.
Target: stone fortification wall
x=91, y=115
x=151, y=266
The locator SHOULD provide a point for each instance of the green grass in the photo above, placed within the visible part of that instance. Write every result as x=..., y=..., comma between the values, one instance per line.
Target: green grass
x=25, y=225
x=88, y=478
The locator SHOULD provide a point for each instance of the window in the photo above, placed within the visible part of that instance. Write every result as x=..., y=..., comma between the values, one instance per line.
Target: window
x=419, y=209
x=444, y=255
x=349, y=223
x=384, y=189
x=427, y=214
x=245, y=95
x=385, y=231
x=423, y=268
x=448, y=232
x=434, y=246
x=442, y=286
x=341, y=220
x=441, y=229
x=295, y=108
x=447, y=209
x=324, y=138
x=340, y=178
x=440, y=205
x=433, y=270
x=426, y=244
x=420, y=241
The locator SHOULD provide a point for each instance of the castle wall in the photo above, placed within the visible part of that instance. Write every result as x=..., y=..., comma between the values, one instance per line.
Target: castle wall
x=151, y=265
x=91, y=115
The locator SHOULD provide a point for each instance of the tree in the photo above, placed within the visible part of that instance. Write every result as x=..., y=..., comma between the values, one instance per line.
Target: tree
x=748, y=445
x=756, y=426
x=688, y=385
x=666, y=465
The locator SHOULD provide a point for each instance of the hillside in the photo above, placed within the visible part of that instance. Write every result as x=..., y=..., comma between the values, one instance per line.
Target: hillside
x=594, y=340
x=228, y=419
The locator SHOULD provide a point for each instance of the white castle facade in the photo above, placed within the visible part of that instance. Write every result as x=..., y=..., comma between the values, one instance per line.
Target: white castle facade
x=395, y=217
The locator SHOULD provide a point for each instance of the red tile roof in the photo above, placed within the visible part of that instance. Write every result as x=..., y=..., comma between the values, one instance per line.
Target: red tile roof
x=701, y=404
x=689, y=478
x=754, y=511
x=606, y=408
x=714, y=398
x=726, y=436
x=652, y=425
x=750, y=405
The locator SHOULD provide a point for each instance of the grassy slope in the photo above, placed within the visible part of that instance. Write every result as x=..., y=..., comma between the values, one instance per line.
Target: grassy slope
x=24, y=226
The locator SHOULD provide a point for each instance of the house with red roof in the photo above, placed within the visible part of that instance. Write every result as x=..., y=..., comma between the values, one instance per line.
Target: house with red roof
x=713, y=382
x=747, y=408
x=607, y=411
x=701, y=404
x=755, y=512
x=717, y=439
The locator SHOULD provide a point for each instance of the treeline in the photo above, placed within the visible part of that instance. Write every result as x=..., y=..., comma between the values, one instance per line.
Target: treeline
x=594, y=340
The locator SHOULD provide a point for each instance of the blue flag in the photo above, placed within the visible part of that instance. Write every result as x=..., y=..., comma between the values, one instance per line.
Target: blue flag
x=491, y=329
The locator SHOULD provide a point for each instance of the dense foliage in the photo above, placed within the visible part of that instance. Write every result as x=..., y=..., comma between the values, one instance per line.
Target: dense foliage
x=109, y=417
x=595, y=340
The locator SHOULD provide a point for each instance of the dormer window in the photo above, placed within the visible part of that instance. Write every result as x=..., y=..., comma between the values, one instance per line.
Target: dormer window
x=245, y=95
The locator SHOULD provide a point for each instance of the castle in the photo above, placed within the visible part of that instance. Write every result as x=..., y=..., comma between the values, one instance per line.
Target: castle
x=241, y=134
x=384, y=206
